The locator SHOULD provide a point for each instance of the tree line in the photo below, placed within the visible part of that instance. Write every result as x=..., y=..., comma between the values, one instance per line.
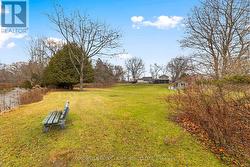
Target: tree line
x=57, y=70
x=217, y=31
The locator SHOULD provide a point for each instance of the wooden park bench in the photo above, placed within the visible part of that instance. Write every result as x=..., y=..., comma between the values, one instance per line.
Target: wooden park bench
x=56, y=118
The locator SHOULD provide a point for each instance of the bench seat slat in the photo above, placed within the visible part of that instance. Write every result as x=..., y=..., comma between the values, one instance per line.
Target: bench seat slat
x=52, y=117
x=56, y=120
x=47, y=118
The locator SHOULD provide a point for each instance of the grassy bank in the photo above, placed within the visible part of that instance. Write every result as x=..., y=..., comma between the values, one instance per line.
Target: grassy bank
x=121, y=126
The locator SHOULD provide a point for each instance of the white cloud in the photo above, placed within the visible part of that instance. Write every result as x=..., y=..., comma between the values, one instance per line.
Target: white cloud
x=55, y=42
x=10, y=45
x=161, y=22
x=124, y=56
x=6, y=37
x=53, y=39
x=137, y=19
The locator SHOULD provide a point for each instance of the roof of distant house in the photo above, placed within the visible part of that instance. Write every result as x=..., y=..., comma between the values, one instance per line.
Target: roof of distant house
x=164, y=77
x=147, y=78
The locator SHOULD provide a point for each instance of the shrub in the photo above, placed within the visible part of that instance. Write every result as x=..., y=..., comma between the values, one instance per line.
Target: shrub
x=238, y=79
x=222, y=112
x=33, y=95
x=26, y=84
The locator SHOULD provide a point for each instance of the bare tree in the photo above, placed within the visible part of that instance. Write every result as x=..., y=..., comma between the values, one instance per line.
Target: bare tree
x=156, y=70
x=178, y=67
x=5, y=75
x=40, y=51
x=127, y=75
x=118, y=73
x=219, y=32
x=53, y=45
x=104, y=75
x=135, y=67
x=92, y=37
x=14, y=73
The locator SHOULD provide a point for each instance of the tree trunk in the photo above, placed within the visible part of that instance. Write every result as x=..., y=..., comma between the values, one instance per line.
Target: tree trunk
x=81, y=82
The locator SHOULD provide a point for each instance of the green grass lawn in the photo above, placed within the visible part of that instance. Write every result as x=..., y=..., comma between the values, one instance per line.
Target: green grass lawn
x=120, y=126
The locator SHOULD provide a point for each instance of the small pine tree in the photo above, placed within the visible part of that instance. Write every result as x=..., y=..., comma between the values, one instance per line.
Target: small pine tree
x=104, y=73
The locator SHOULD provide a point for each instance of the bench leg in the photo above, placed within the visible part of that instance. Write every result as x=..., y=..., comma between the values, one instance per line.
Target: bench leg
x=62, y=124
x=45, y=129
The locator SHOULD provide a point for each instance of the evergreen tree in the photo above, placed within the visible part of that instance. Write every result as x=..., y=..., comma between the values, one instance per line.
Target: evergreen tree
x=61, y=72
x=104, y=73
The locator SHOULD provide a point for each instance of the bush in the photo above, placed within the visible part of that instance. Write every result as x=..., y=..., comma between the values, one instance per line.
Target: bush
x=33, y=95
x=238, y=79
x=26, y=85
x=222, y=112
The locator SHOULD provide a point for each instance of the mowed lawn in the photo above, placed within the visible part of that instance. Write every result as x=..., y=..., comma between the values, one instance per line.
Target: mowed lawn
x=120, y=126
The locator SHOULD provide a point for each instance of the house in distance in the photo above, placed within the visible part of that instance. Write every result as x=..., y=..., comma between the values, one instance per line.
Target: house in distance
x=163, y=79
x=145, y=80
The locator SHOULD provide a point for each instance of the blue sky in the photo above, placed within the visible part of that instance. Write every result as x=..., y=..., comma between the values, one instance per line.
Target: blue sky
x=152, y=34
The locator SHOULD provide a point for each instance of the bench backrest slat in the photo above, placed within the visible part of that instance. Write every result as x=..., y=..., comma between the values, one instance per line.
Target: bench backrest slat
x=65, y=111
